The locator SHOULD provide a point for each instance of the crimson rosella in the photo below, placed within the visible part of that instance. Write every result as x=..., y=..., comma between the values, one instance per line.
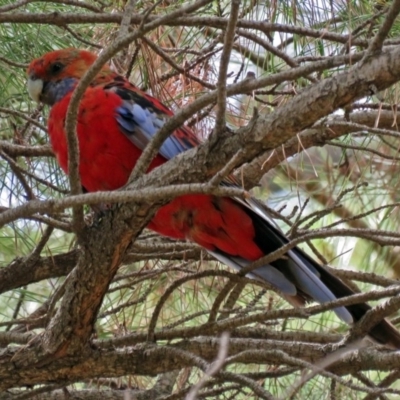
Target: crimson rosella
x=116, y=120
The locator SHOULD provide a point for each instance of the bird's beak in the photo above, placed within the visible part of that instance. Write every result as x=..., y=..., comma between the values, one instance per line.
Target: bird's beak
x=35, y=88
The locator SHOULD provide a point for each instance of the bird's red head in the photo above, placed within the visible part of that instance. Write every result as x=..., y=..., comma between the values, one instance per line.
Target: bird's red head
x=56, y=66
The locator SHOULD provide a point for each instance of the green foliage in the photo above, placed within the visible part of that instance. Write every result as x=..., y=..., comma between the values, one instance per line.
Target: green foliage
x=318, y=176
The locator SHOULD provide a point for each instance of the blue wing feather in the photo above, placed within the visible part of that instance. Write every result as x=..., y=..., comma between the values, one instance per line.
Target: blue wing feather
x=140, y=123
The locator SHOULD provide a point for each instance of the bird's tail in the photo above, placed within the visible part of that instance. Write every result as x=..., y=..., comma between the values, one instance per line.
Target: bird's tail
x=299, y=278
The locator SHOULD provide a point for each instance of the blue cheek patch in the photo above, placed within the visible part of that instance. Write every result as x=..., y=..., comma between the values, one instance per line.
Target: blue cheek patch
x=56, y=91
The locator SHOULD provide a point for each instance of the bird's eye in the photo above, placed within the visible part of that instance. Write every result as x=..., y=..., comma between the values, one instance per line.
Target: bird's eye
x=56, y=67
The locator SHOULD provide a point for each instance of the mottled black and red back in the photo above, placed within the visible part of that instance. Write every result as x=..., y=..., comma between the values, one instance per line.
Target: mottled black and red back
x=116, y=121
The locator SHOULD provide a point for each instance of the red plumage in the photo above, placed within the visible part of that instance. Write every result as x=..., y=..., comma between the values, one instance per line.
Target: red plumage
x=115, y=122
x=213, y=223
x=107, y=157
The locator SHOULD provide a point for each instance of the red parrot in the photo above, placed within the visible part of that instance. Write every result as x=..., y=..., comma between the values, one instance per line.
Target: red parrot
x=116, y=120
